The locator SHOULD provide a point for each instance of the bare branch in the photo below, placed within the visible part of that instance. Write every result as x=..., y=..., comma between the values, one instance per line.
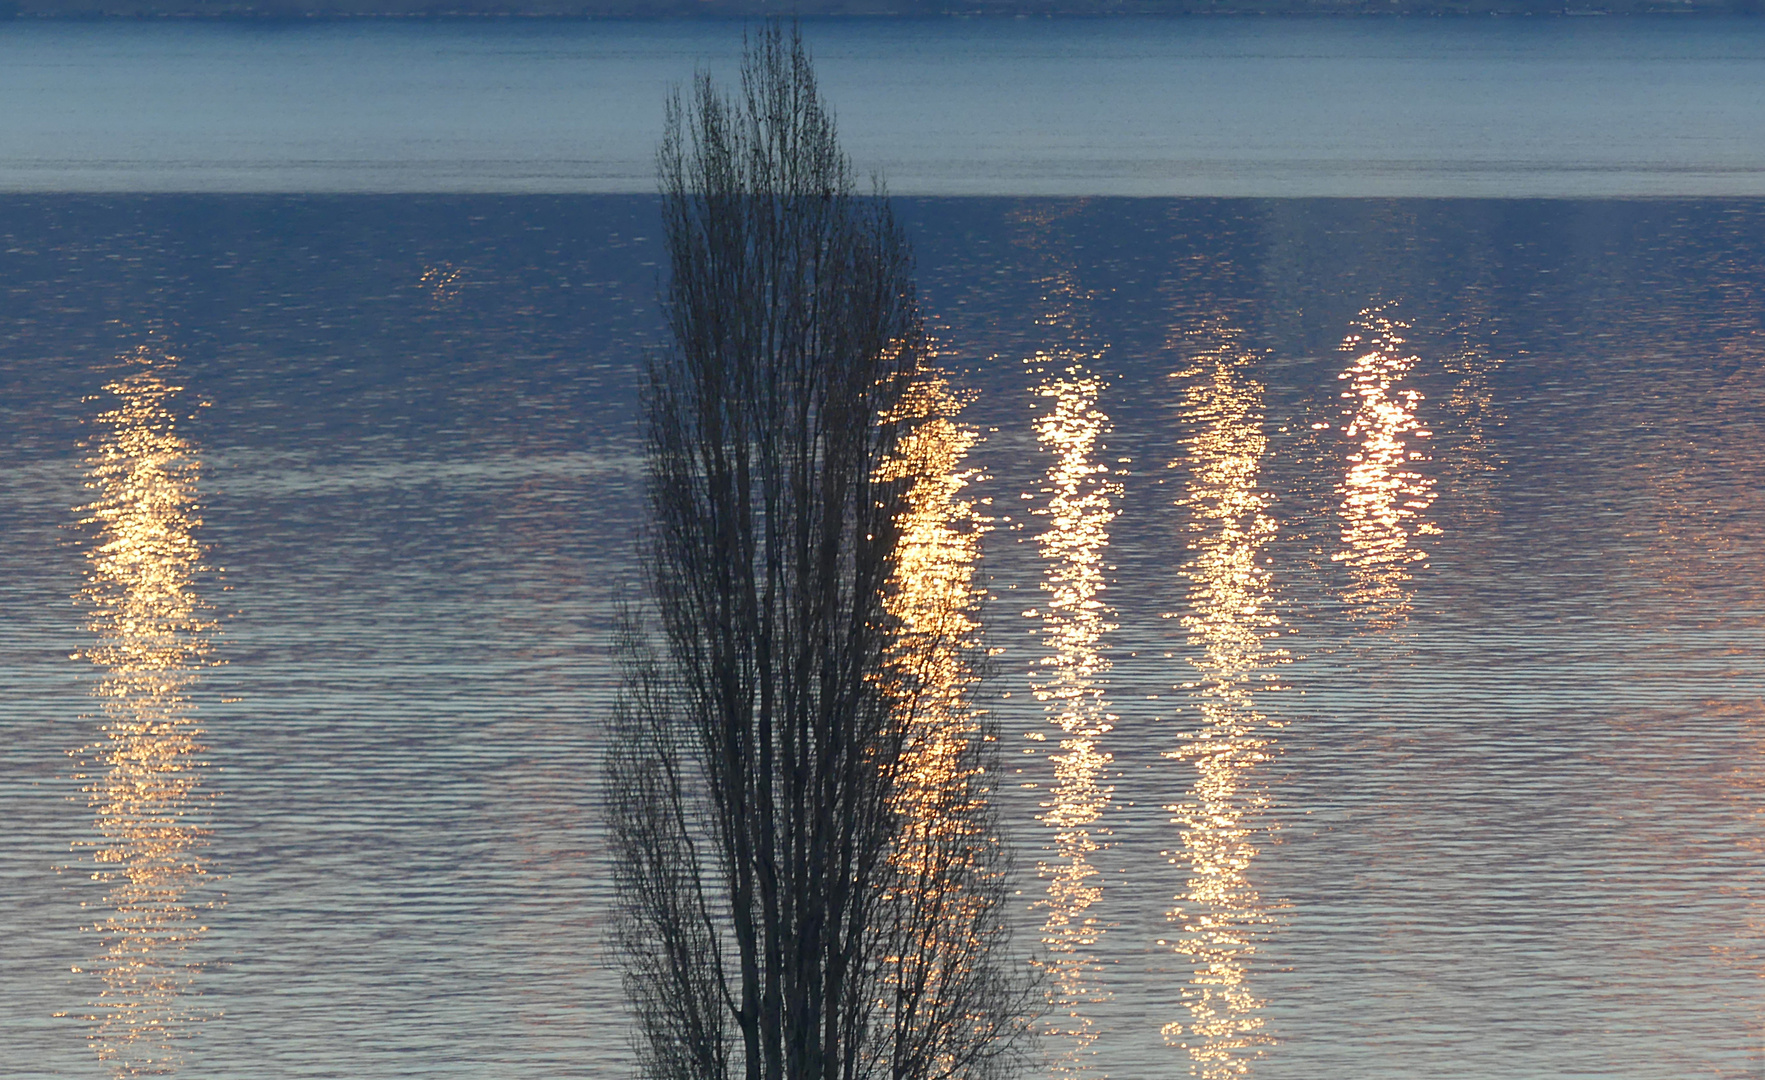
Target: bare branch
x=811, y=878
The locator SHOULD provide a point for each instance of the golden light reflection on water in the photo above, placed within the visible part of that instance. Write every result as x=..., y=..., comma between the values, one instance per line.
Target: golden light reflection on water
x=945, y=856
x=1220, y=917
x=442, y=282
x=1384, y=498
x=934, y=596
x=145, y=778
x=1069, y=680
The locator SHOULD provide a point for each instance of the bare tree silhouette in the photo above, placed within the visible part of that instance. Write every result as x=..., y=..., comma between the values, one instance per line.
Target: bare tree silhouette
x=811, y=880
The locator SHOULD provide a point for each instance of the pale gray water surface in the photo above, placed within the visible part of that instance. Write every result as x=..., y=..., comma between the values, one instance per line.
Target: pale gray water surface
x=1392, y=574
x=1236, y=107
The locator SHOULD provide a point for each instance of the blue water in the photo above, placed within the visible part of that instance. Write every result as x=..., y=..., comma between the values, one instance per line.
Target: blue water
x=1480, y=645
x=1414, y=722
x=1222, y=107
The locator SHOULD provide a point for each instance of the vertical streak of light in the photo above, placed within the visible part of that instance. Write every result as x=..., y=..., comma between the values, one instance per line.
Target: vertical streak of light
x=146, y=782
x=1069, y=682
x=947, y=854
x=935, y=598
x=1383, y=497
x=1220, y=917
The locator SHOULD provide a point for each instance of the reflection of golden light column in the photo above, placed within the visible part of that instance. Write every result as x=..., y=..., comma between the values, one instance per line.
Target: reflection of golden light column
x=1220, y=915
x=1080, y=509
x=934, y=596
x=946, y=855
x=1383, y=499
x=148, y=798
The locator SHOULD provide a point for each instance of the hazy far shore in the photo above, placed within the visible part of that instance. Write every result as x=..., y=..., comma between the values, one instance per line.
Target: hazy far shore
x=397, y=9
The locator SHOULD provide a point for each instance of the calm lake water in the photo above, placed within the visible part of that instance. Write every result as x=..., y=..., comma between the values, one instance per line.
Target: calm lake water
x=1233, y=107
x=1380, y=588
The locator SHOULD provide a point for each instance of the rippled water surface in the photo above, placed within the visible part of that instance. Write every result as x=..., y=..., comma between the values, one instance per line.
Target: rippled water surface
x=1378, y=589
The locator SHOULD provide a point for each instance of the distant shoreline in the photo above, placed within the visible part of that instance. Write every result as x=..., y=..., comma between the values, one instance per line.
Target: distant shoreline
x=321, y=10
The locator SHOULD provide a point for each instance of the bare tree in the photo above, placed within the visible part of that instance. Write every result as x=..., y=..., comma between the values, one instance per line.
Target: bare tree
x=811, y=881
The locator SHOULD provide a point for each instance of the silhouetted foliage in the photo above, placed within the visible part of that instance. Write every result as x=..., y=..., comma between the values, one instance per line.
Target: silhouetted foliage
x=810, y=876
